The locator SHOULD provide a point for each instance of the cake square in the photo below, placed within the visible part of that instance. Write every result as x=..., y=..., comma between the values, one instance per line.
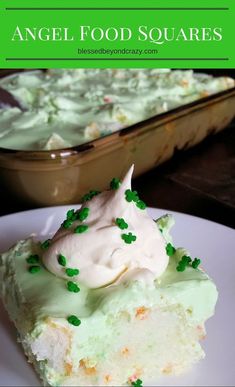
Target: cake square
x=109, y=300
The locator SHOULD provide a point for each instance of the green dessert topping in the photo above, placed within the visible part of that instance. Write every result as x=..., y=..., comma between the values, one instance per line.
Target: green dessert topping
x=74, y=320
x=137, y=383
x=183, y=263
x=71, y=272
x=83, y=214
x=45, y=244
x=115, y=183
x=129, y=238
x=90, y=195
x=187, y=261
x=196, y=262
x=120, y=222
x=67, y=223
x=73, y=287
x=70, y=218
x=170, y=250
x=81, y=228
x=140, y=204
x=33, y=259
x=131, y=196
x=62, y=260
x=71, y=215
x=34, y=269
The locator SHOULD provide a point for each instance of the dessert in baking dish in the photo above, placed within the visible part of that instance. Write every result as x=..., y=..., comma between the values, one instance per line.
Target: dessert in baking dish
x=108, y=300
x=68, y=107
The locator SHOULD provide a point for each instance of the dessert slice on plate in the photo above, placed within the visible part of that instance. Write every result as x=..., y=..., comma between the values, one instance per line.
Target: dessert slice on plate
x=108, y=300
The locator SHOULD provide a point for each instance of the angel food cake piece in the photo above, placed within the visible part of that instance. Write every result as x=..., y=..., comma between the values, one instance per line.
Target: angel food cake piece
x=68, y=107
x=108, y=300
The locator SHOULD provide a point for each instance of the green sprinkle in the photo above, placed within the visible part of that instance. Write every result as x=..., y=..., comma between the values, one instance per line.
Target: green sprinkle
x=183, y=263
x=67, y=223
x=186, y=259
x=33, y=259
x=140, y=204
x=74, y=320
x=81, y=228
x=181, y=267
x=45, y=244
x=120, y=222
x=71, y=272
x=90, y=195
x=137, y=383
x=71, y=215
x=196, y=262
x=62, y=260
x=83, y=214
x=129, y=238
x=73, y=287
x=34, y=269
x=170, y=250
x=115, y=183
x=131, y=196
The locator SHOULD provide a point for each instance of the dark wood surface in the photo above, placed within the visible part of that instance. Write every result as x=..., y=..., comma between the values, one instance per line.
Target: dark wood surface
x=199, y=181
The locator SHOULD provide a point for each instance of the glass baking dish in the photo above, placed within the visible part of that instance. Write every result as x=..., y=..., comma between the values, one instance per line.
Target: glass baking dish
x=63, y=176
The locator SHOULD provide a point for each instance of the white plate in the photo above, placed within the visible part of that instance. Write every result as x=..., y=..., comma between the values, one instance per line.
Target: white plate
x=213, y=243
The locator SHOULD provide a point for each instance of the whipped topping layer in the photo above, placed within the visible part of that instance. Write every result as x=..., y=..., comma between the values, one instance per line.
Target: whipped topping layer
x=117, y=240
x=68, y=107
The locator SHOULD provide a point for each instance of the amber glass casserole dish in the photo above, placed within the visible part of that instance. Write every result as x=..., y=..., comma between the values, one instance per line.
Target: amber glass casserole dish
x=64, y=176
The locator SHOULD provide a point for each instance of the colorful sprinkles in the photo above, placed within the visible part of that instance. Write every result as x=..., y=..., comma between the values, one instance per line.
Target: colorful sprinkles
x=45, y=244
x=74, y=320
x=115, y=183
x=71, y=272
x=170, y=250
x=83, y=214
x=34, y=258
x=141, y=205
x=120, y=222
x=34, y=269
x=187, y=261
x=137, y=383
x=71, y=215
x=132, y=196
x=67, y=223
x=34, y=262
x=90, y=195
x=62, y=261
x=183, y=263
x=129, y=238
x=81, y=228
x=70, y=218
x=196, y=262
x=73, y=287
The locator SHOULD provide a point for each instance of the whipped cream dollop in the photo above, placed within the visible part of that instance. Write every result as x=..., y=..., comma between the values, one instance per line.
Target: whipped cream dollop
x=118, y=241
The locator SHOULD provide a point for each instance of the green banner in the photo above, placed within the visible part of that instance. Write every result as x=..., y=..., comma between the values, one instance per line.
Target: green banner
x=146, y=33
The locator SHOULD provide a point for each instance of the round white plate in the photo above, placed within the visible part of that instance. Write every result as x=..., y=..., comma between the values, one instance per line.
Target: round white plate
x=213, y=243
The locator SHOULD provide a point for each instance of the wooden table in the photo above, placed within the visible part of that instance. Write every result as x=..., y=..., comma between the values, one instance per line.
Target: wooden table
x=200, y=181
